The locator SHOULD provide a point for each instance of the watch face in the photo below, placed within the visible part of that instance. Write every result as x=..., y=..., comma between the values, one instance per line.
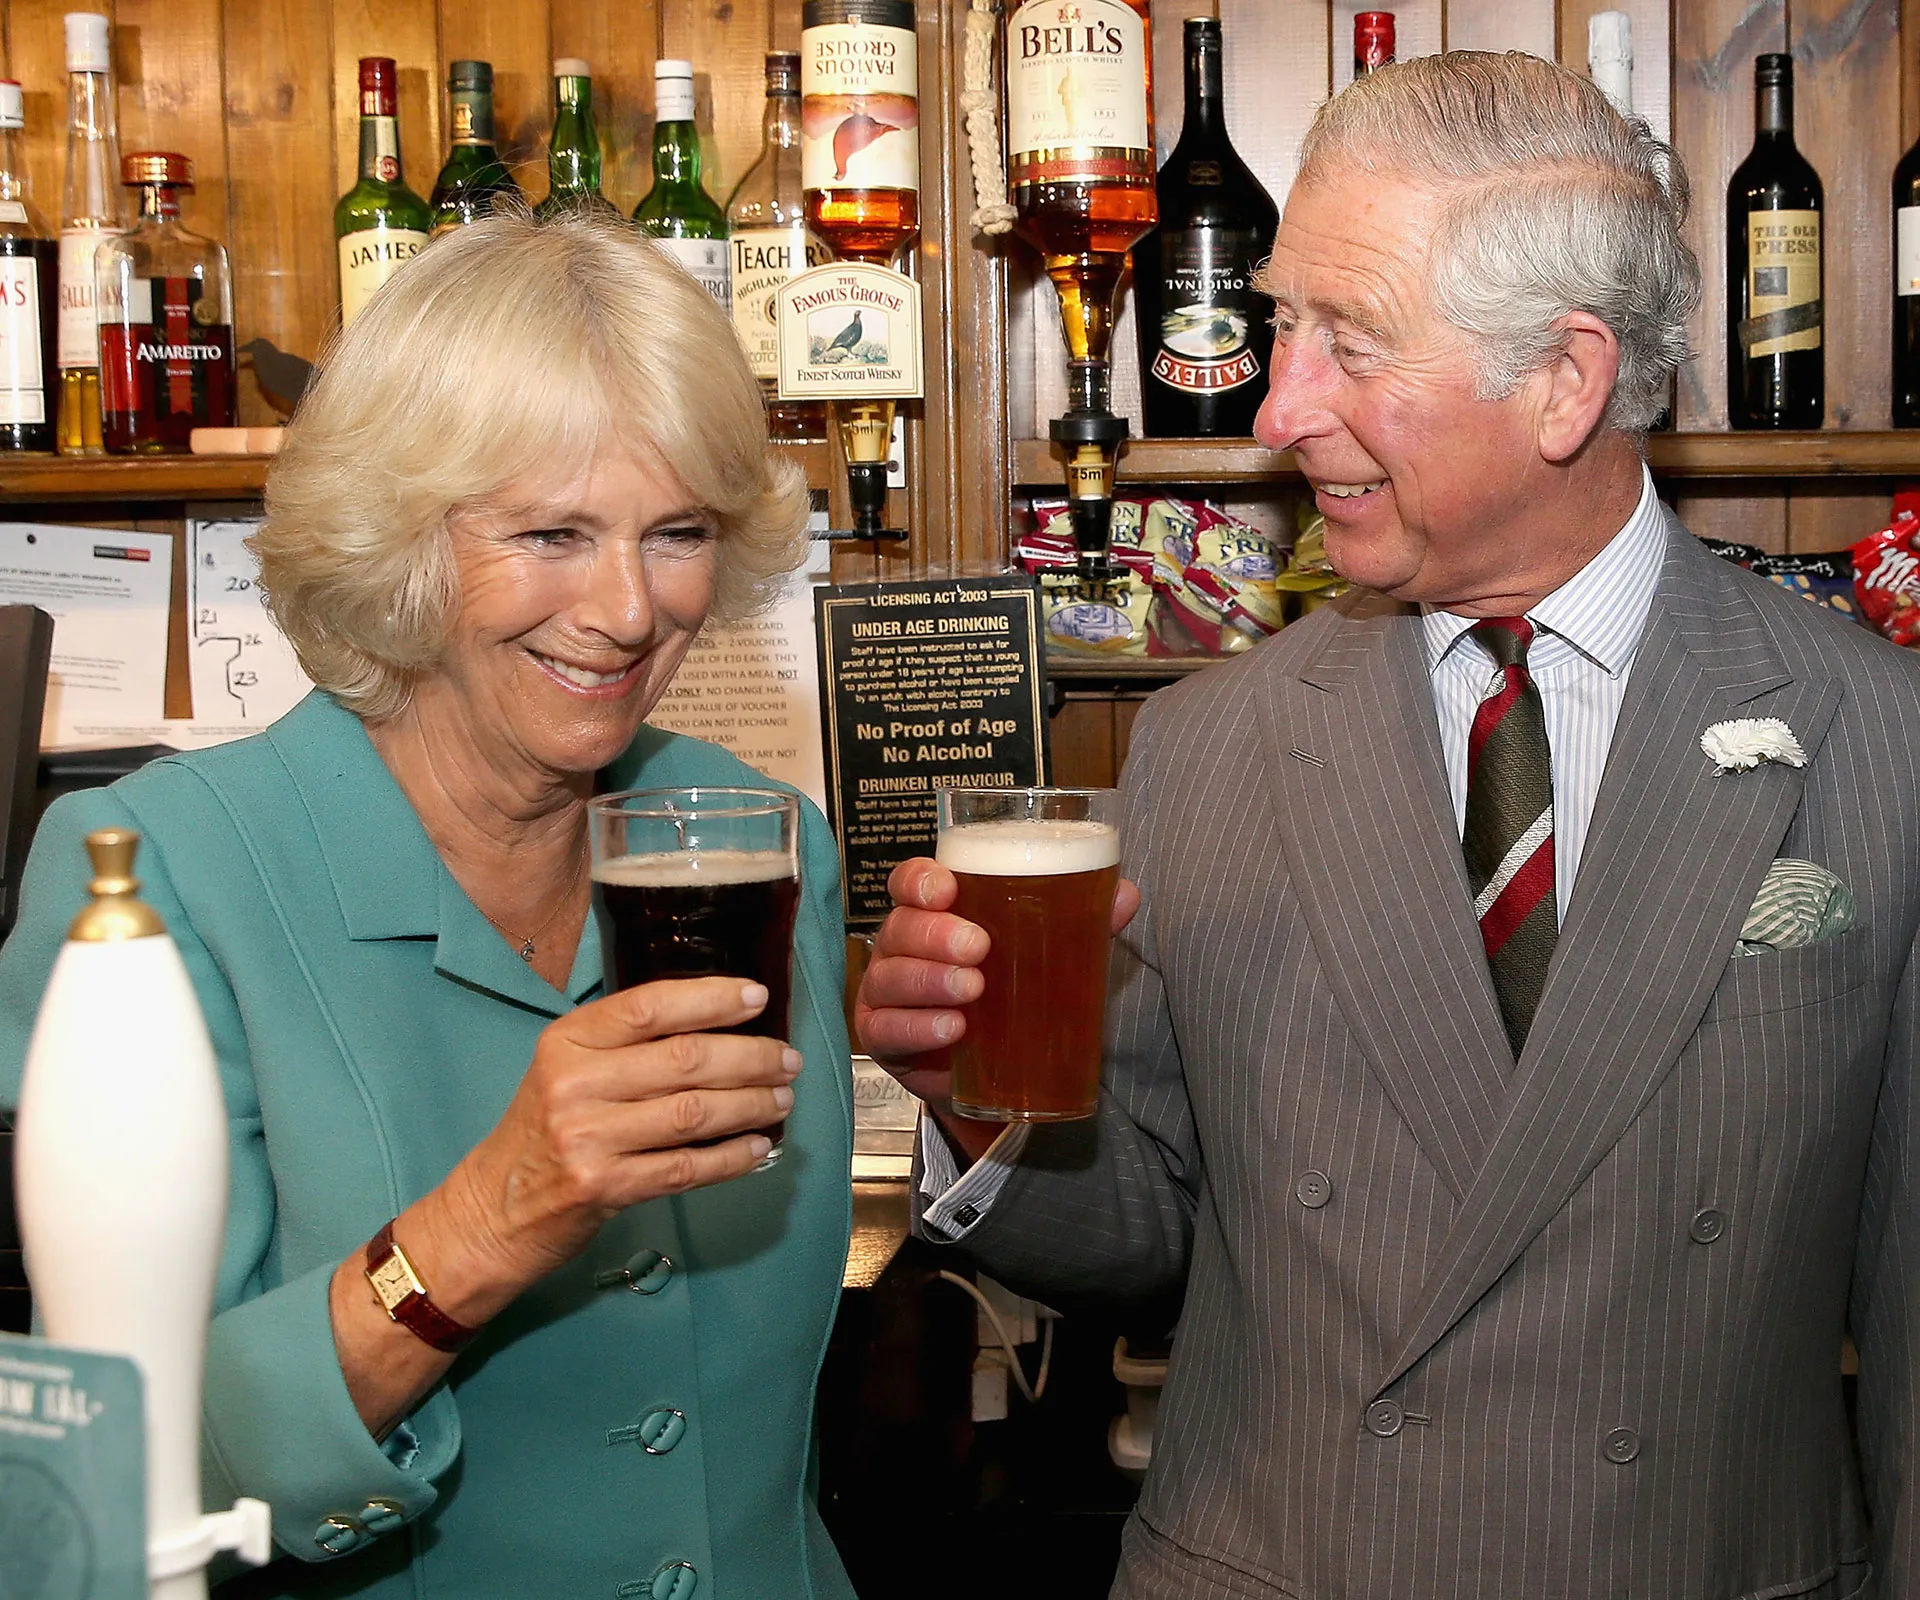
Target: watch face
x=392, y=1281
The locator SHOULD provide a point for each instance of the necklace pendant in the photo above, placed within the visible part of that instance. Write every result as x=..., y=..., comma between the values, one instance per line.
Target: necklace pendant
x=526, y=952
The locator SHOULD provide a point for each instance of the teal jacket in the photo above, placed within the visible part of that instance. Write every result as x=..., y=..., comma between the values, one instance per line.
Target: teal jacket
x=371, y=1027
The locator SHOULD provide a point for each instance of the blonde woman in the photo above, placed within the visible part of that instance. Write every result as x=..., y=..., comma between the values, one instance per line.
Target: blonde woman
x=522, y=482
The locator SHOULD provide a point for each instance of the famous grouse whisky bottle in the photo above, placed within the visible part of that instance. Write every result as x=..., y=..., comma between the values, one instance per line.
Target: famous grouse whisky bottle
x=1205, y=331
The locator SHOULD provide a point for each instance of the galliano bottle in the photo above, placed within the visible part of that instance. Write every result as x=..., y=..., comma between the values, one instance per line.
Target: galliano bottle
x=380, y=224
x=1205, y=332
x=678, y=214
x=91, y=210
x=166, y=319
x=29, y=297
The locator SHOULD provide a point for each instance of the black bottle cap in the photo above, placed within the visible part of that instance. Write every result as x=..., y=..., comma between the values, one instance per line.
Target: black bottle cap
x=1773, y=68
x=1088, y=427
x=470, y=75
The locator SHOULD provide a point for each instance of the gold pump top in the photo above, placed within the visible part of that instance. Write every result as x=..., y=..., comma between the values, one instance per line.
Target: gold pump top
x=114, y=913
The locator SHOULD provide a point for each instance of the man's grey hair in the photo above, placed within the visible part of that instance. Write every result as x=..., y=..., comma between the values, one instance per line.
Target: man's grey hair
x=1552, y=201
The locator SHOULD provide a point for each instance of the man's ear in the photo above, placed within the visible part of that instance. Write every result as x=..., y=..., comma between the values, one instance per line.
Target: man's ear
x=1578, y=383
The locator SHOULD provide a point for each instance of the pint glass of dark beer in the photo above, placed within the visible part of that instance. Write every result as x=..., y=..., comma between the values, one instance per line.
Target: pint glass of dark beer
x=700, y=883
x=1036, y=869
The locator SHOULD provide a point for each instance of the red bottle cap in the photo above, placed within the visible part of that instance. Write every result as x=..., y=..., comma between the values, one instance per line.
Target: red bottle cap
x=168, y=167
x=1372, y=39
x=379, y=82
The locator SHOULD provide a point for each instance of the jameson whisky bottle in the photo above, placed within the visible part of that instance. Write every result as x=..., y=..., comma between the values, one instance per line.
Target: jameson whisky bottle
x=860, y=125
x=678, y=214
x=474, y=177
x=1776, y=360
x=29, y=297
x=166, y=319
x=380, y=224
x=767, y=228
x=90, y=211
x=573, y=155
x=1204, y=336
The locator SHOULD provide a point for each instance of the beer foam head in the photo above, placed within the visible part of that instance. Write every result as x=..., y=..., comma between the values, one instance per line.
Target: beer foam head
x=1024, y=848
x=686, y=869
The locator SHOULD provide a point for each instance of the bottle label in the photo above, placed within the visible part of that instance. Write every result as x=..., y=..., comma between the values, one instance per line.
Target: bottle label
x=472, y=118
x=22, y=395
x=166, y=359
x=79, y=329
x=1208, y=310
x=383, y=160
x=859, y=107
x=1906, y=250
x=1077, y=92
x=706, y=259
x=12, y=211
x=672, y=100
x=1783, y=283
x=367, y=260
x=763, y=260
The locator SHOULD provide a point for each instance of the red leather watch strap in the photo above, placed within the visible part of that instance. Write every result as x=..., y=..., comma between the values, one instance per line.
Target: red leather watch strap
x=416, y=1312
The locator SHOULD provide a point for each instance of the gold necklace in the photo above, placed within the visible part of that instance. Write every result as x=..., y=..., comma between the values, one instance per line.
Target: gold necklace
x=526, y=950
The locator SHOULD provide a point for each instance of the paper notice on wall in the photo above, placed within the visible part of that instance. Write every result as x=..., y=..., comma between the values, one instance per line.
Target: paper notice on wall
x=106, y=590
x=753, y=687
x=243, y=670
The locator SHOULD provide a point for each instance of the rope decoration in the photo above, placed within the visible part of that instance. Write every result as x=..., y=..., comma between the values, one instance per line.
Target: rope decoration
x=981, y=103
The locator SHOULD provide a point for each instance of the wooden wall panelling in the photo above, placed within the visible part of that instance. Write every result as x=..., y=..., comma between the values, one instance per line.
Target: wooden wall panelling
x=621, y=43
x=168, y=54
x=1529, y=25
x=1080, y=736
x=727, y=45
x=280, y=182
x=408, y=31
x=1652, y=52
x=1714, y=43
x=37, y=57
x=1277, y=73
x=516, y=36
x=1419, y=29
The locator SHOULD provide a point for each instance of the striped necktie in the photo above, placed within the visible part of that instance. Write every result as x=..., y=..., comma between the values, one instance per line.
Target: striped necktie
x=1509, y=832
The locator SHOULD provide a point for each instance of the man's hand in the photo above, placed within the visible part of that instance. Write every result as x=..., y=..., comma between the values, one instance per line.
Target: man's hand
x=925, y=966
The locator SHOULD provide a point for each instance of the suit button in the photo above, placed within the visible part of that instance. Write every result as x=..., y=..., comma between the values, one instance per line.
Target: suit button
x=382, y=1516
x=338, y=1534
x=1707, y=1226
x=661, y=1429
x=1622, y=1445
x=675, y=1581
x=1313, y=1190
x=646, y=1273
x=1384, y=1419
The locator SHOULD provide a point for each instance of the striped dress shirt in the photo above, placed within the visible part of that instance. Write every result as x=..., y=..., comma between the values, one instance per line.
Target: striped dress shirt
x=1587, y=631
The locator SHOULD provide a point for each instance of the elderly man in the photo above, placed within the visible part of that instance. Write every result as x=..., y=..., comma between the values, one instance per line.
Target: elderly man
x=1513, y=1052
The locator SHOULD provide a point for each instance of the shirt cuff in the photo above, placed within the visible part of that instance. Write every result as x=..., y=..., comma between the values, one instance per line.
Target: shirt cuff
x=954, y=1201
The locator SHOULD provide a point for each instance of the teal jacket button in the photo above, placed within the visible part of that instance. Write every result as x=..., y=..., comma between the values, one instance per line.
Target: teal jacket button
x=675, y=1581
x=337, y=1535
x=382, y=1516
x=661, y=1429
x=646, y=1273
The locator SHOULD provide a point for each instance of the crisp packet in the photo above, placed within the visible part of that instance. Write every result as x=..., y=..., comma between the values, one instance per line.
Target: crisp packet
x=1824, y=577
x=1308, y=576
x=1223, y=593
x=1886, y=573
x=1107, y=618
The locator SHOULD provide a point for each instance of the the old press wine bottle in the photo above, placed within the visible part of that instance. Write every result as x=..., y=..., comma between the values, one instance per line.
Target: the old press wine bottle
x=1205, y=337
x=380, y=223
x=1776, y=360
x=1906, y=290
x=678, y=214
x=29, y=297
x=474, y=177
x=166, y=319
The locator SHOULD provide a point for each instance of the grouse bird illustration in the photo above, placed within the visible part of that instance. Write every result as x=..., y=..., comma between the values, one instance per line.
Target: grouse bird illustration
x=848, y=338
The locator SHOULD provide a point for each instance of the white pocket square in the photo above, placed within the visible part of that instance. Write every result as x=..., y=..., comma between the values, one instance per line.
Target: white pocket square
x=1799, y=903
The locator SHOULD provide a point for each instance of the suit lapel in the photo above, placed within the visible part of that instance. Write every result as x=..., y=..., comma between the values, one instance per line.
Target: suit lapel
x=1372, y=848
x=1672, y=861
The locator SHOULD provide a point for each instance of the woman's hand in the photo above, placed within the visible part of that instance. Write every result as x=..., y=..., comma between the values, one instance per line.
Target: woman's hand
x=926, y=964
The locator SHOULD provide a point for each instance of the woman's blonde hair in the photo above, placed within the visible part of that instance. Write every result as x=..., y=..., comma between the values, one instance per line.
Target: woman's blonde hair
x=506, y=351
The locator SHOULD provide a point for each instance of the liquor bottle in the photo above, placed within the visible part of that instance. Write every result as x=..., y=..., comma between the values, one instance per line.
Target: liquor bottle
x=1373, y=42
x=767, y=228
x=90, y=211
x=573, y=154
x=29, y=298
x=1906, y=290
x=1776, y=359
x=166, y=319
x=380, y=224
x=474, y=177
x=1204, y=338
x=860, y=125
x=1080, y=168
x=1610, y=57
x=678, y=214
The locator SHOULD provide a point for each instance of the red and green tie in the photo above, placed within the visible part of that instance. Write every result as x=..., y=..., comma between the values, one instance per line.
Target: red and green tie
x=1509, y=831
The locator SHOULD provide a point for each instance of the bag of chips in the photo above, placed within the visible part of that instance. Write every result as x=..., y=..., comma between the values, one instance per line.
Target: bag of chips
x=1886, y=573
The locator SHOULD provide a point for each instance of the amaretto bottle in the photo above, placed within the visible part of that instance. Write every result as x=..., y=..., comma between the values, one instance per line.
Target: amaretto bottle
x=678, y=214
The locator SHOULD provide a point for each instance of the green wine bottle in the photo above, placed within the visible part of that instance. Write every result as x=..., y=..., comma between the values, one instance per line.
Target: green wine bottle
x=573, y=158
x=475, y=177
x=380, y=224
x=678, y=214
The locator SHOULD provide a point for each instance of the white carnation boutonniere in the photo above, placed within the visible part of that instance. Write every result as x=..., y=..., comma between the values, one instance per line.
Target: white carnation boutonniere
x=1741, y=745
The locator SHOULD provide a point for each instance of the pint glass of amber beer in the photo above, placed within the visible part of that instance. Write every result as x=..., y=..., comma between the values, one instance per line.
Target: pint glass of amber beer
x=1036, y=869
x=699, y=883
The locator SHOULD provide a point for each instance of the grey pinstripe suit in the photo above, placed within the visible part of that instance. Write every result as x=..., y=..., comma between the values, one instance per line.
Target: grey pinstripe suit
x=1593, y=1302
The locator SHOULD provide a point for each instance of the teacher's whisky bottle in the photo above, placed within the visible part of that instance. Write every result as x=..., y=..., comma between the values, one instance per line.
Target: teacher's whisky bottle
x=166, y=320
x=29, y=298
x=1205, y=331
x=1776, y=356
x=90, y=212
x=380, y=224
x=678, y=214
x=767, y=230
x=860, y=126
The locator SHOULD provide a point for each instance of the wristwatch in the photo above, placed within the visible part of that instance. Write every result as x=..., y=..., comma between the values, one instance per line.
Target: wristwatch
x=400, y=1291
